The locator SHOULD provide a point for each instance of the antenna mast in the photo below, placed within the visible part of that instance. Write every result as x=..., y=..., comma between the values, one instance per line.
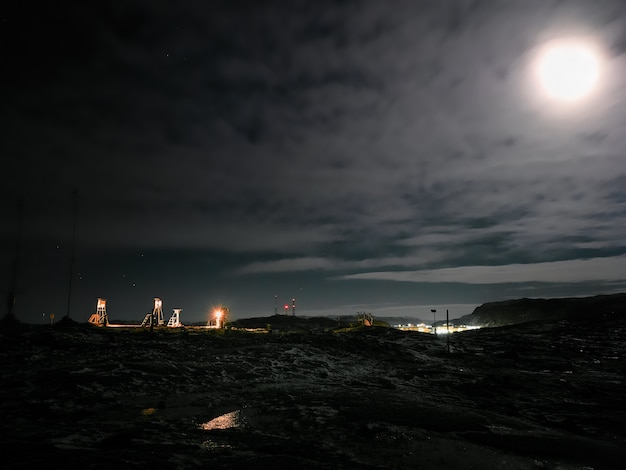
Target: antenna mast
x=12, y=293
x=69, y=289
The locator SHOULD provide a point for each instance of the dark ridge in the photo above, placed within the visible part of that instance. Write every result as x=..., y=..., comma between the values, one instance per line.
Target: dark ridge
x=285, y=322
x=67, y=322
x=511, y=312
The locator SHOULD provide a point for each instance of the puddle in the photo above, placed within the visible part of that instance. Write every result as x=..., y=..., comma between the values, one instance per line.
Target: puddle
x=231, y=420
x=148, y=411
x=216, y=447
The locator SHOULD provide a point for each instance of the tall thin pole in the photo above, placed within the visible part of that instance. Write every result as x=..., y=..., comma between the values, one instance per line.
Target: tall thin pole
x=448, y=330
x=13, y=291
x=434, y=320
x=69, y=289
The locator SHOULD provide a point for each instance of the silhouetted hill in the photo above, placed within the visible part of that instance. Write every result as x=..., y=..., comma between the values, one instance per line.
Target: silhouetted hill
x=510, y=312
x=402, y=320
x=302, y=323
x=285, y=322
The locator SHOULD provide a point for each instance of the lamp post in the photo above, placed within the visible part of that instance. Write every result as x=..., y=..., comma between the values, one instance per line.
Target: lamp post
x=448, y=331
x=434, y=320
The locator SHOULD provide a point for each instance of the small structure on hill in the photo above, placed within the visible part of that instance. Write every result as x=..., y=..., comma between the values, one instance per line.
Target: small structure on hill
x=286, y=307
x=174, y=321
x=100, y=318
x=156, y=317
x=364, y=318
x=218, y=320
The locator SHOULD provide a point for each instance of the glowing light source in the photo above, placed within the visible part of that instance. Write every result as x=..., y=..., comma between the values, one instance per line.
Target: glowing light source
x=219, y=313
x=568, y=70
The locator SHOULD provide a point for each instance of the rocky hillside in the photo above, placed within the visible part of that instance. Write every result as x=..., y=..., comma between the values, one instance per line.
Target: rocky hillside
x=512, y=312
x=535, y=396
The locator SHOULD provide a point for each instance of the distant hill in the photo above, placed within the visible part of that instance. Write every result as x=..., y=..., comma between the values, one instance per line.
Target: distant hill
x=285, y=322
x=401, y=320
x=510, y=312
x=288, y=322
x=378, y=320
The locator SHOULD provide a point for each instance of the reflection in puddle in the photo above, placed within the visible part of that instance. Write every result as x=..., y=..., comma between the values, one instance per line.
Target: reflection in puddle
x=216, y=447
x=225, y=421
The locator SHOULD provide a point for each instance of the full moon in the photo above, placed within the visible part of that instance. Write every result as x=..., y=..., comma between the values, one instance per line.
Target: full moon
x=568, y=70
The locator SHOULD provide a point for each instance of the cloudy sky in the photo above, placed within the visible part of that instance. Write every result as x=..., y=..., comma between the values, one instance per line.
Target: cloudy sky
x=389, y=157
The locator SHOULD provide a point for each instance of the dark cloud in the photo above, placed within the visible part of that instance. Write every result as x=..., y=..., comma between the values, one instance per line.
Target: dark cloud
x=263, y=134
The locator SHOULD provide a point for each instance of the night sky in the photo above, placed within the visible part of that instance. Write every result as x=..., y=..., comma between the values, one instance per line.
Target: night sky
x=388, y=157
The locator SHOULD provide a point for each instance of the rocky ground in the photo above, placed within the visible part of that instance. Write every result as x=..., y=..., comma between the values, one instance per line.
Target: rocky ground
x=538, y=395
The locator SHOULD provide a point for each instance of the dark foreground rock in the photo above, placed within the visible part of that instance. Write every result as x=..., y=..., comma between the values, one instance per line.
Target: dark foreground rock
x=540, y=395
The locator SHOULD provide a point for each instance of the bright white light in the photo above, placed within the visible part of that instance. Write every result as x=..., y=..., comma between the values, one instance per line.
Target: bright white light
x=568, y=70
x=218, y=317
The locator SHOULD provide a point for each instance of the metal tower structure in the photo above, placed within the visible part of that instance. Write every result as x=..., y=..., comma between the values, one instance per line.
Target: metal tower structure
x=175, y=319
x=157, y=312
x=12, y=292
x=72, y=257
x=293, y=307
x=156, y=317
x=100, y=317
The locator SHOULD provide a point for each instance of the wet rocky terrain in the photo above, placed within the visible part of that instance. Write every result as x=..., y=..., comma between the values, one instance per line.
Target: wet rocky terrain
x=546, y=395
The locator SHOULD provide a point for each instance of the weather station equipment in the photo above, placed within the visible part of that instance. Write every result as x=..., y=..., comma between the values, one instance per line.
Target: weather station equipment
x=174, y=321
x=100, y=318
x=293, y=308
x=156, y=317
x=364, y=318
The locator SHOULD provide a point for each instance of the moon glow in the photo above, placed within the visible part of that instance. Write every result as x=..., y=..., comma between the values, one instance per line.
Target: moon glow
x=568, y=70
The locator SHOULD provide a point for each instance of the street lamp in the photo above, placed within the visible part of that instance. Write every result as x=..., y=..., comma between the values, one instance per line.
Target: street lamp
x=434, y=320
